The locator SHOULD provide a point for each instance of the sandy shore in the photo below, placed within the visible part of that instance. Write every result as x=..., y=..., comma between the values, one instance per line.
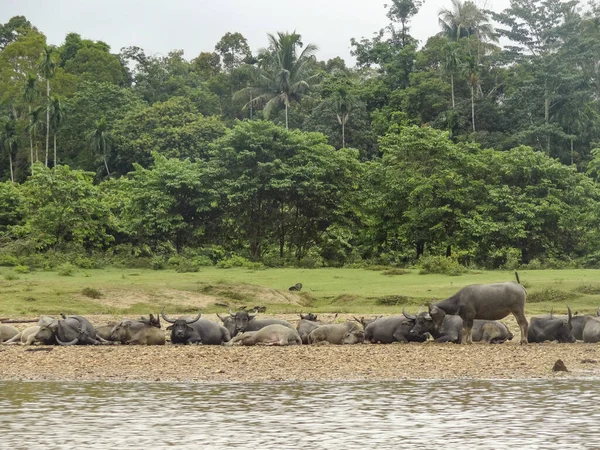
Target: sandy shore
x=300, y=363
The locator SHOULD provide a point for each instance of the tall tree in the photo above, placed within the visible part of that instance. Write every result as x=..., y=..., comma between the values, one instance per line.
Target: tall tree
x=9, y=141
x=56, y=119
x=284, y=75
x=465, y=19
x=100, y=141
x=234, y=50
x=30, y=94
x=47, y=70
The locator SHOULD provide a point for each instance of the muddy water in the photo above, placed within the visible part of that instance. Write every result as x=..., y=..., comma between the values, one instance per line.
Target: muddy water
x=384, y=415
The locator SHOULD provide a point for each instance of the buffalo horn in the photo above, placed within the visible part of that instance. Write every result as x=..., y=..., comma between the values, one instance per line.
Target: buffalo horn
x=73, y=342
x=231, y=313
x=409, y=316
x=598, y=311
x=164, y=316
x=570, y=315
x=194, y=320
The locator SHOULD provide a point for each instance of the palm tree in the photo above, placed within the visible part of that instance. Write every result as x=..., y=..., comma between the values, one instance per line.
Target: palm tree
x=470, y=70
x=283, y=76
x=100, y=140
x=9, y=141
x=56, y=118
x=30, y=93
x=451, y=64
x=465, y=19
x=35, y=124
x=47, y=69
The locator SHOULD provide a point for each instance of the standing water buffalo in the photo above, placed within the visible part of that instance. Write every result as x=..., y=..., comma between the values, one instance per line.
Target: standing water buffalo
x=270, y=335
x=196, y=331
x=484, y=301
x=543, y=329
x=343, y=333
x=242, y=321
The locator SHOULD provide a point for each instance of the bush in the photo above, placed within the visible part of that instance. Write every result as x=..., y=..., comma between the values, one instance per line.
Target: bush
x=158, y=263
x=66, y=269
x=392, y=300
x=22, y=269
x=238, y=261
x=91, y=292
x=440, y=264
x=550, y=295
x=11, y=276
x=185, y=265
x=8, y=260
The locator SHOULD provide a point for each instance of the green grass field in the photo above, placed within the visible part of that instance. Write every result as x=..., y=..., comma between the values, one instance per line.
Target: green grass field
x=359, y=291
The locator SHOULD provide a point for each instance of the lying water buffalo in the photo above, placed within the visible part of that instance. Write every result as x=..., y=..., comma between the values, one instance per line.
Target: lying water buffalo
x=196, y=331
x=7, y=332
x=387, y=330
x=308, y=323
x=347, y=332
x=591, y=329
x=72, y=330
x=137, y=333
x=449, y=330
x=543, y=329
x=270, y=335
x=26, y=336
x=490, y=331
x=484, y=301
x=242, y=321
x=105, y=331
x=366, y=322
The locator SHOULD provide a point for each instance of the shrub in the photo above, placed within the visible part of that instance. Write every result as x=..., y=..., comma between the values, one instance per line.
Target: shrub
x=392, y=300
x=11, y=276
x=66, y=269
x=440, y=264
x=202, y=261
x=550, y=295
x=237, y=261
x=22, y=269
x=185, y=265
x=91, y=292
x=591, y=289
x=158, y=263
x=8, y=260
x=395, y=271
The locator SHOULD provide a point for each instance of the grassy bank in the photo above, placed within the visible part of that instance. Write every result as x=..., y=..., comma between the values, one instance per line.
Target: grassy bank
x=360, y=291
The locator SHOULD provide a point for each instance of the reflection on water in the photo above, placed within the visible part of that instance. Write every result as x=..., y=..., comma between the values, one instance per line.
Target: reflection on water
x=429, y=414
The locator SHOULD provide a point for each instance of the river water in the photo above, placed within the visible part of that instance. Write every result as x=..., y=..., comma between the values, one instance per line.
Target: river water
x=461, y=414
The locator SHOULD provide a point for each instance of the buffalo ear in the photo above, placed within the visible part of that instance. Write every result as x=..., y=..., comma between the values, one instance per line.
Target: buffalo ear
x=170, y=327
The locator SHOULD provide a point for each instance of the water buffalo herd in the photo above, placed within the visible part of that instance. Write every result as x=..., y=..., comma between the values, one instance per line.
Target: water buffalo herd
x=470, y=315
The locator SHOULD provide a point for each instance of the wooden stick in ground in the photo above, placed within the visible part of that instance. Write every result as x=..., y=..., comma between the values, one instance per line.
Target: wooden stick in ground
x=6, y=320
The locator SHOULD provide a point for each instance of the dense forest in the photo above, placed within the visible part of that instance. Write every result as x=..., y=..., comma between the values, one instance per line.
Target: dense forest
x=477, y=148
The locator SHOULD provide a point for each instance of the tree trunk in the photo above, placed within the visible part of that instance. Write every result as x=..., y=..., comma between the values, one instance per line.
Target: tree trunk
x=47, y=117
x=12, y=175
x=31, y=142
x=54, y=150
x=473, y=107
x=343, y=133
x=106, y=165
x=452, y=83
x=448, y=251
x=571, y=151
x=547, y=118
x=286, y=116
x=420, y=249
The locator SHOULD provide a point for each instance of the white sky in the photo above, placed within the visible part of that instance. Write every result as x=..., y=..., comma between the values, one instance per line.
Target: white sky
x=159, y=26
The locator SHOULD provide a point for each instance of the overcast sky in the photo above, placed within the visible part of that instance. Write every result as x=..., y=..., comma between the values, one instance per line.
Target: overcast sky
x=159, y=26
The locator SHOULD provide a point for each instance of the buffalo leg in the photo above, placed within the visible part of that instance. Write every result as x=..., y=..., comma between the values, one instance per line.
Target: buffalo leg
x=467, y=331
x=522, y=321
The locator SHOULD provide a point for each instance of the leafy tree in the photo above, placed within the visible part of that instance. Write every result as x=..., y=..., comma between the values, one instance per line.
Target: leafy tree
x=174, y=129
x=56, y=120
x=30, y=94
x=234, y=50
x=62, y=209
x=100, y=141
x=280, y=187
x=11, y=30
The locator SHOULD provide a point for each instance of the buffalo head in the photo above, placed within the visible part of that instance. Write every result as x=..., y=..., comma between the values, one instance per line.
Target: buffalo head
x=241, y=319
x=180, y=330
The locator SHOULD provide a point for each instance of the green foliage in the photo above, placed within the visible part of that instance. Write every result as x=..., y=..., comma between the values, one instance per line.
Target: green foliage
x=238, y=261
x=440, y=264
x=66, y=270
x=550, y=295
x=91, y=292
x=8, y=276
x=22, y=269
x=185, y=265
